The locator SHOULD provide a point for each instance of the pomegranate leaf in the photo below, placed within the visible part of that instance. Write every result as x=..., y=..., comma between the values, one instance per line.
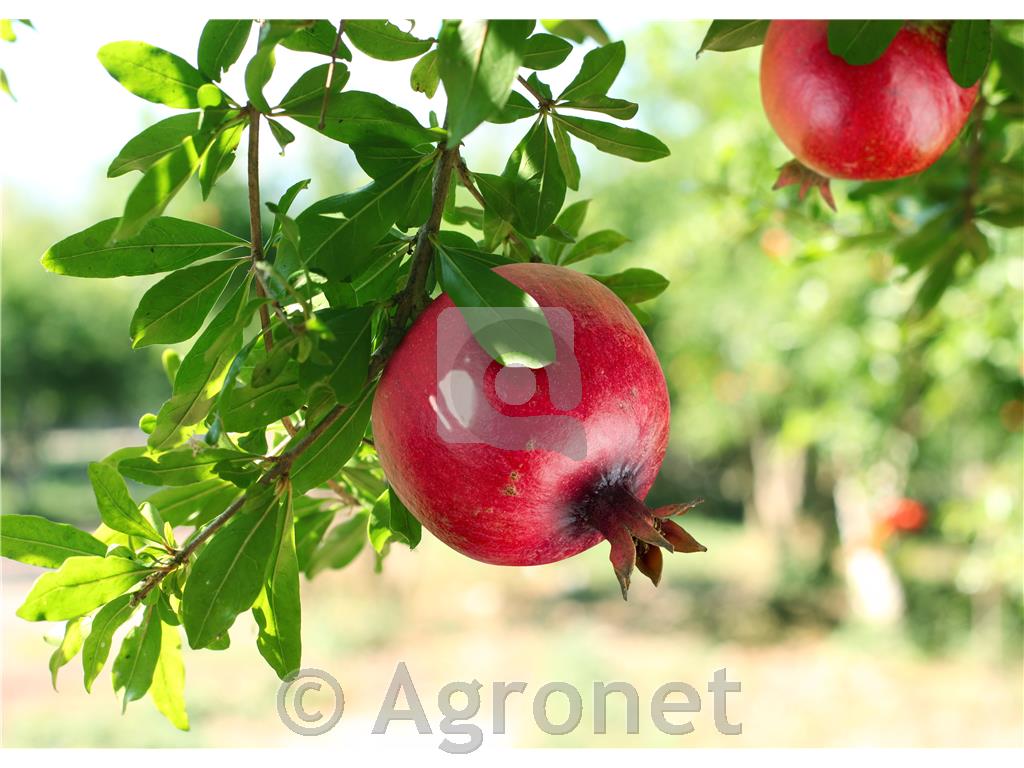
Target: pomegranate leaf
x=968, y=50
x=329, y=452
x=478, y=61
x=220, y=45
x=193, y=504
x=634, y=285
x=357, y=117
x=277, y=610
x=390, y=520
x=136, y=661
x=577, y=30
x=426, y=76
x=38, y=541
x=545, y=51
x=733, y=35
x=228, y=574
x=167, y=689
x=516, y=108
x=380, y=39
x=117, y=509
x=505, y=320
x=536, y=181
x=96, y=647
x=67, y=650
x=154, y=142
x=153, y=74
x=614, y=139
x=602, y=241
x=80, y=585
x=597, y=73
x=861, y=42
x=321, y=37
x=340, y=547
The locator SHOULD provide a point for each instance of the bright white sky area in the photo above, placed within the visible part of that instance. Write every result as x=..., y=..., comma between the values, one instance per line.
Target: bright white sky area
x=71, y=118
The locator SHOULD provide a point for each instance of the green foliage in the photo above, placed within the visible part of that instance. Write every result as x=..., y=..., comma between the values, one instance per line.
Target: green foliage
x=38, y=541
x=861, y=42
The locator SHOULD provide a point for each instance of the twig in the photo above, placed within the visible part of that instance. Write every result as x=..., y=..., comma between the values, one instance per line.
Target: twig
x=255, y=222
x=330, y=75
x=542, y=101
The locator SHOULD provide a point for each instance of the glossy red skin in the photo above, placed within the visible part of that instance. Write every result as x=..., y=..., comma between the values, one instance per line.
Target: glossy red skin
x=526, y=507
x=884, y=120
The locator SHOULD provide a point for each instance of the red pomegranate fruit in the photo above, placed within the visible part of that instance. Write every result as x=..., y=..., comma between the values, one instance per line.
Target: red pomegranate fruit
x=891, y=118
x=520, y=467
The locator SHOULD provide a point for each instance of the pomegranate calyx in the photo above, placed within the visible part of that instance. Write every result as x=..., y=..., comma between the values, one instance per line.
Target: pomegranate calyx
x=637, y=534
x=795, y=172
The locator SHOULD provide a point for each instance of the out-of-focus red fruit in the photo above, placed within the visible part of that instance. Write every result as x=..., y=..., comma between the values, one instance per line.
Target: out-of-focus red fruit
x=906, y=515
x=884, y=120
x=544, y=481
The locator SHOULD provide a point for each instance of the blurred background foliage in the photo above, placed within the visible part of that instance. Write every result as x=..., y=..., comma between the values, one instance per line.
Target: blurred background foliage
x=811, y=394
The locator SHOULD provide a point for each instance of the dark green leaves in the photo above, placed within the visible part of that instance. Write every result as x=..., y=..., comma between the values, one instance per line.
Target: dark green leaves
x=117, y=510
x=340, y=547
x=229, y=572
x=733, y=35
x=603, y=241
x=968, y=50
x=331, y=449
x=537, y=181
x=861, y=42
x=544, y=51
x=311, y=84
x=357, y=117
x=153, y=143
x=220, y=45
x=38, y=541
x=164, y=244
x=600, y=68
x=137, y=659
x=153, y=73
x=346, y=346
x=79, y=586
x=277, y=610
x=175, y=307
x=634, y=285
x=505, y=320
x=390, y=520
x=478, y=62
x=614, y=139
x=383, y=40
x=96, y=648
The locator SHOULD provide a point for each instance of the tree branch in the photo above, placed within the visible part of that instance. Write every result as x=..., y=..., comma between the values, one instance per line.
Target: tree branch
x=330, y=75
x=408, y=305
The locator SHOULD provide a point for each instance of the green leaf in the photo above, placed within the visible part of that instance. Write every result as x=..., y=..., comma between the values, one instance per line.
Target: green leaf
x=577, y=30
x=260, y=68
x=348, y=351
x=175, y=308
x=311, y=85
x=618, y=108
x=219, y=155
x=282, y=135
x=572, y=217
x=598, y=72
x=540, y=87
x=193, y=504
x=79, y=586
x=309, y=531
x=603, y=241
x=67, y=650
x=426, y=74
x=201, y=373
x=634, y=285
x=390, y=520
x=861, y=42
x=544, y=51
x=516, y=108
x=538, y=184
x=478, y=62
x=277, y=610
x=357, y=117
x=248, y=407
x=733, y=35
x=97, y=644
x=168, y=687
x=136, y=662
x=968, y=49
x=505, y=320
x=220, y=44
x=117, y=509
x=163, y=245
x=37, y=541
x=614, y=139
x=5, y=85
x=229, y=572
x=381, y=39
x=319, y=37
x=158, y=186
x=159, y=139
x=330, y=450
x=182, y=466
x=566, y=157
x=153, y=74
x=340, y=547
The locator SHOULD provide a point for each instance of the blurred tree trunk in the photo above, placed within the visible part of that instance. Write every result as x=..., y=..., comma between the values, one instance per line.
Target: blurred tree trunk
x=778, y=483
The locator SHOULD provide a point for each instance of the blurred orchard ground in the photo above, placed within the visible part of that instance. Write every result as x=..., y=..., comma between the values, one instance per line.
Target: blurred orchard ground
x=805, y=404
